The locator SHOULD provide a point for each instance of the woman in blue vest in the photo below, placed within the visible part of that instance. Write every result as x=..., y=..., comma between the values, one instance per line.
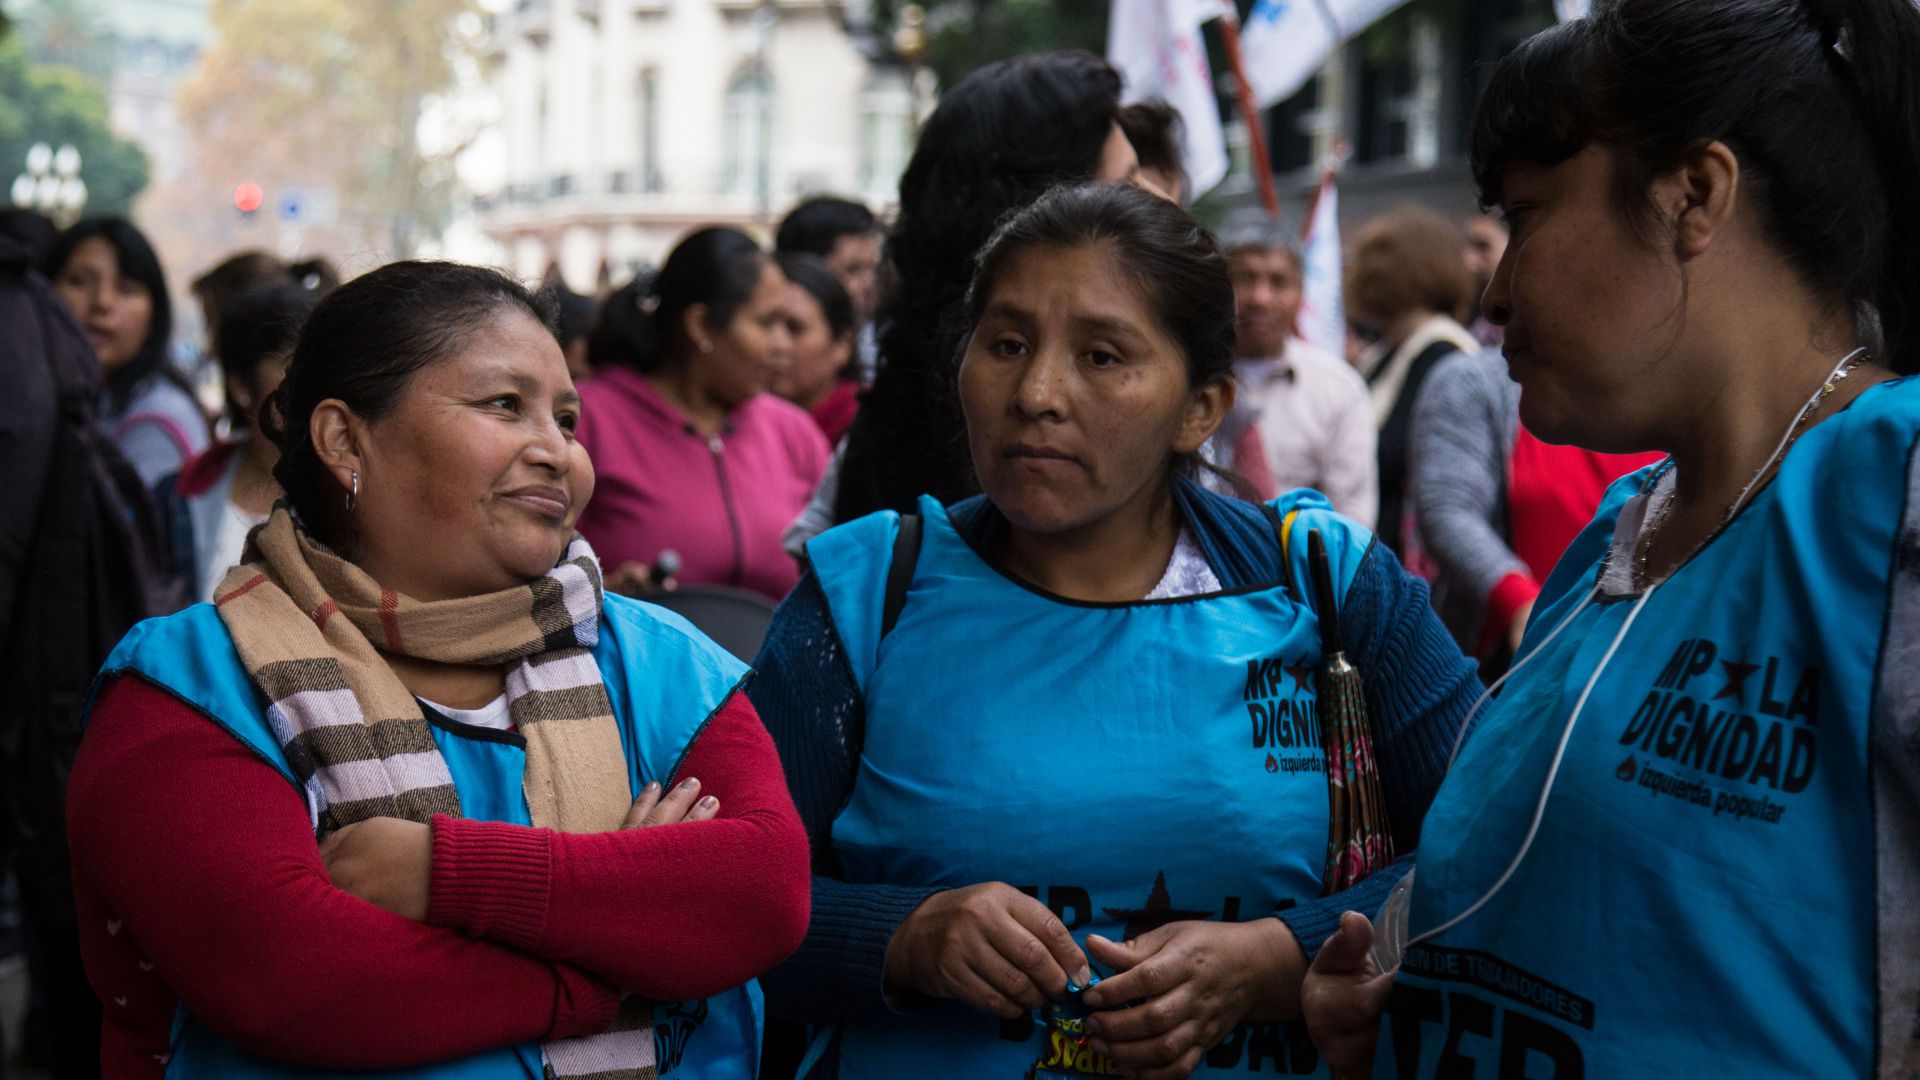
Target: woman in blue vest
x=393, y=802
x=1080, y=734
x=1685, y=836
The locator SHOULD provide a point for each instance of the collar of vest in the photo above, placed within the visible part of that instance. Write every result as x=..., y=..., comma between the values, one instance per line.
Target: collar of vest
x=1236, y=536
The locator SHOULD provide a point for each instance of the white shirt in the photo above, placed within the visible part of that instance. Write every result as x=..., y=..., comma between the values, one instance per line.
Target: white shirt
x=228, y=542
x=491, y=715
x=1316, y=424
x=1187, y=571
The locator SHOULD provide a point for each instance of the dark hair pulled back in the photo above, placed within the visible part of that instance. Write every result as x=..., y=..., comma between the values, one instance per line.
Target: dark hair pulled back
x=999, y=138
x=1172, y=258
x=718, y=267
x=137, y=260
x=1818, y=99
x=257, y=325
x=362, y=345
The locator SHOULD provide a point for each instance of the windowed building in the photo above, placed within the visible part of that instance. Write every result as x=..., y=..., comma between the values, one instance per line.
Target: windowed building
x=623, y=123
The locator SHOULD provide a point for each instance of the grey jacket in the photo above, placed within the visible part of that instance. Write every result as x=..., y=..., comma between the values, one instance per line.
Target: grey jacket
x=1464, y=425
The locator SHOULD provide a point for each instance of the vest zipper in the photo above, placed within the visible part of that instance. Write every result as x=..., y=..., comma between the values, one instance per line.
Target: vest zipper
x=714, y=446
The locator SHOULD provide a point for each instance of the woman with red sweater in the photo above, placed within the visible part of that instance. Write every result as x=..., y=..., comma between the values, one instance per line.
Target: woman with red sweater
x=822, y=378
x=412, y=794
x=694, y=455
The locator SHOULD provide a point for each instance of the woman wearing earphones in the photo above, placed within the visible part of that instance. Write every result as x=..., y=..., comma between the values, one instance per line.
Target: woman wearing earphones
x=1686, y=831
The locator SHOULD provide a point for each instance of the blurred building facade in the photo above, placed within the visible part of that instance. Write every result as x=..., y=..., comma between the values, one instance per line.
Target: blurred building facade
x=157, y=44
x=622, y=124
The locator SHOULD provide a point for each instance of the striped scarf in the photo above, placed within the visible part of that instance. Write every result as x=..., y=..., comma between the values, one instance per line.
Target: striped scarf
x=306, y=622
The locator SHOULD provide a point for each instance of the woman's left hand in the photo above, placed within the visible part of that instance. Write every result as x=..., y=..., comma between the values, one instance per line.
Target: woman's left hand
x=1194, y=982
x=388, y=862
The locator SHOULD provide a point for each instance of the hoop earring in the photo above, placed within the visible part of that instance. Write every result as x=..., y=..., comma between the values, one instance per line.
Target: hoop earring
x=353, y=494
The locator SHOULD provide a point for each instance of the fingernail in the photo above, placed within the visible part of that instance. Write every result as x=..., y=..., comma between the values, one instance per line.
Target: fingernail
x=689, y=784
x=652, y=787
x=1084, y=976
x=709, y=803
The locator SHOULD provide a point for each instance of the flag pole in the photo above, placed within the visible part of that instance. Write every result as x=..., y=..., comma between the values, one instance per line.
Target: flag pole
x=1229, y=23
x=1329, y=174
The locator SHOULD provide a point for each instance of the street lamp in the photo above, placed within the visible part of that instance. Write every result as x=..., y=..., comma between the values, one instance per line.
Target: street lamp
x=910, y=45
x=51, y=183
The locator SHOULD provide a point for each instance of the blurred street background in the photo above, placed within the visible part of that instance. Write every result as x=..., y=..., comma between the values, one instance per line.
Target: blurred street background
x=588, y=134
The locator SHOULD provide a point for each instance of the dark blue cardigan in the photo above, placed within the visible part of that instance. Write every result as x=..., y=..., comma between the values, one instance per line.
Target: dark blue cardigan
x=1418, y=685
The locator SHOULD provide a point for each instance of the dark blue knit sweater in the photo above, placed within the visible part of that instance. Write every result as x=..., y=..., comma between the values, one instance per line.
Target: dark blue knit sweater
x=1418, y=686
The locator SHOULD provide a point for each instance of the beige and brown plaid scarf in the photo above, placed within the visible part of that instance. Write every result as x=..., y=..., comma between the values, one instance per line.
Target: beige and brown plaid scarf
x=310, y=628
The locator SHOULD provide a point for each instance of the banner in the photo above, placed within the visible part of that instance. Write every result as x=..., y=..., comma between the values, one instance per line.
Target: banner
x=1286, y=41
x=1157, y=46
x=1323, y=318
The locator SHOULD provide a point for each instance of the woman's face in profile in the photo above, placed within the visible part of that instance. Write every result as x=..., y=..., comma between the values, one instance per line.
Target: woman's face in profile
x=474, y=481
x=755, y=348
x=1119, y=164
x=1076, y=398
x=1589, y=308
x=818, y=356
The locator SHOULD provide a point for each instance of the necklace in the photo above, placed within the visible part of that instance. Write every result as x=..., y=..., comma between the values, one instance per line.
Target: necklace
x=1659, y=518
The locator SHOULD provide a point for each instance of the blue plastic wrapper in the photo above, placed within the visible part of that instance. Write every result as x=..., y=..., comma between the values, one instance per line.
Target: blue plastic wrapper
x=1068, y=1051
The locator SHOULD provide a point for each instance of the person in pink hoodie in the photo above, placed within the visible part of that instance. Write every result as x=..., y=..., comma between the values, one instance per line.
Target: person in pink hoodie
x=693, y=455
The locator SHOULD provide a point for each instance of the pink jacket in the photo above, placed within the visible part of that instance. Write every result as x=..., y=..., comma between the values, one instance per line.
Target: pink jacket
x=719, y=502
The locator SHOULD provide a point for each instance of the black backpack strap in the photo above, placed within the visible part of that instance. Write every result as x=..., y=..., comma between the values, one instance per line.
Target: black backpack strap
x=906, y=555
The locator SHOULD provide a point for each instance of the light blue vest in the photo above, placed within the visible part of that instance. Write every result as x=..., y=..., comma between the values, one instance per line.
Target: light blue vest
x=1700, y=898
x=1126, y=764
x=665, y=680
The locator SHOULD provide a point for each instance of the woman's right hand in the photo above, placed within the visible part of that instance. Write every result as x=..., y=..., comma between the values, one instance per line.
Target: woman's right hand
x=683, y=803
x=1343, y=997
x=991, y=946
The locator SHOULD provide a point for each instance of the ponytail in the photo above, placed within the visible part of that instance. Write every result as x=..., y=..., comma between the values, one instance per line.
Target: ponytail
x=1876, y=46
x=641, y=324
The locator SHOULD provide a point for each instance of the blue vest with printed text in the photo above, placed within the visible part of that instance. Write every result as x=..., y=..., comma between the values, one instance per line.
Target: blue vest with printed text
x=1700, y=898
x=665, y=681
x=1127, y=764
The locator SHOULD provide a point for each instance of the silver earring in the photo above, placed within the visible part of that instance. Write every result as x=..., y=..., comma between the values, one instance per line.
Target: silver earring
x=353, y=494
x=706, y=346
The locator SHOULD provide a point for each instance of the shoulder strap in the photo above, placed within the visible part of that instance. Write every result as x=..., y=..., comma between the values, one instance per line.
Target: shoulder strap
x=1283, y=533
x=906, y=555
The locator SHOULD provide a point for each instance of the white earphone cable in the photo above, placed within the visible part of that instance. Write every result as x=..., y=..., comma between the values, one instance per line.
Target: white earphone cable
x=1580, y=703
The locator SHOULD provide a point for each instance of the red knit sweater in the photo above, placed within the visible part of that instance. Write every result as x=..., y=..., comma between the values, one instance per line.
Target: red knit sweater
x=198, y=881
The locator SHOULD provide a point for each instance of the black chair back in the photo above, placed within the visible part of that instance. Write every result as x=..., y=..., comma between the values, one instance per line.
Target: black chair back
x=736, y=619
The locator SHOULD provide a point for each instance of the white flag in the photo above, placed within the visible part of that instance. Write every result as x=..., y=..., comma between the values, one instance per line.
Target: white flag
x=1156, y=45
x=1285, y=41
x=1323, y=318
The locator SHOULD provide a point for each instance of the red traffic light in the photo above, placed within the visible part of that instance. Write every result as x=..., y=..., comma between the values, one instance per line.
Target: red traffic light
x=247, y=197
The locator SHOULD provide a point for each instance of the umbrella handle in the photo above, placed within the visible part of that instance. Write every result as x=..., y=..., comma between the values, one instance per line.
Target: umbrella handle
x=1331, y=642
